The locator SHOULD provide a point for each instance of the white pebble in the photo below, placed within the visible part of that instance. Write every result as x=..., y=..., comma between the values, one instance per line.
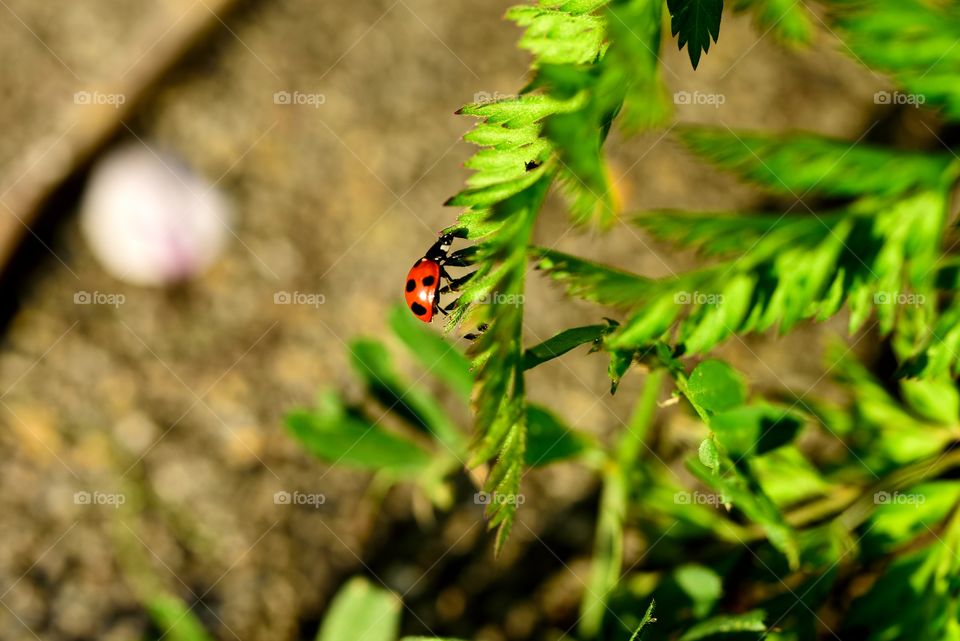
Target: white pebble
x=150, y=220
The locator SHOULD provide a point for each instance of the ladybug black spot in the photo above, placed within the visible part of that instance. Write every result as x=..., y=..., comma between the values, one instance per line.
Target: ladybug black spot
x=429, y=280
x=418, y=309
x=411, y=285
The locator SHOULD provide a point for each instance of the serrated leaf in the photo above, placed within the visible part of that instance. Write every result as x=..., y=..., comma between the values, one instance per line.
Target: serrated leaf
x=921, y=58
x=592, y=281
x=695, y=23
x=578, y=135
x=499, y=402
x=558, y=36
x=795, y=164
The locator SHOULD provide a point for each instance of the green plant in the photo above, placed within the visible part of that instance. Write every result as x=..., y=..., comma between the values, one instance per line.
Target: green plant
x=804, y=493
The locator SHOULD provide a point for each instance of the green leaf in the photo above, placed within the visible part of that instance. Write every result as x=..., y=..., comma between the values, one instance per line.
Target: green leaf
x=634, y=30
x=934, y=400
x=910, y=600
x=516, y=159
x=372, y=363
x=439, y=357
x=550, y=440
x=337, y=436
x=788, y=20
x=795, y=164
x=361, y=611
x=749, y=622
x=695, y=23
x=176, y=621
x=798, y=269
x=701, y=584
x=644, y=622
x=788, y=477
x=903, y=515
x=499, y=399
x=558, y=36
x=755, y=429
x=716, y=387
x=592, y=281
x=620, y=362
x=707, y=453
x=913, y=40
x=578, y=135
x=738, y=485
x=725, y=233
x=561, y=343
x=886, y=434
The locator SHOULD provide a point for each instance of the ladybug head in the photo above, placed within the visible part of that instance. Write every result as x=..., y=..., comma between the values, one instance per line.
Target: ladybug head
x=441, y=247
x=445, y=242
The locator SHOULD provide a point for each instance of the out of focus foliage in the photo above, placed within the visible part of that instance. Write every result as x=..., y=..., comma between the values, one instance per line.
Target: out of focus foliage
x=796, y=518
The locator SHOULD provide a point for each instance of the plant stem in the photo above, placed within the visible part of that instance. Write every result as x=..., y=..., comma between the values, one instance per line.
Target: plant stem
x=636, y=430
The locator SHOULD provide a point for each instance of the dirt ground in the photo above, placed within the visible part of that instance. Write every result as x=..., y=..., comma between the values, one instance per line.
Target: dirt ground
x=175, y=398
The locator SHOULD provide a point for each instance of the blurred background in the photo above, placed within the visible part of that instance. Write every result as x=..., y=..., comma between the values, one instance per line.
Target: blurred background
x=202, y=202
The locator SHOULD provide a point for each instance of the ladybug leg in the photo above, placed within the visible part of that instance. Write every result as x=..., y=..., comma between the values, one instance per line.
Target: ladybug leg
x=456, y=261
x=454, y=284
x=461, y=258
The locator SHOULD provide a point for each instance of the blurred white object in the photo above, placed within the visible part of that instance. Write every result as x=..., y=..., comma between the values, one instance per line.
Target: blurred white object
x=149, y=220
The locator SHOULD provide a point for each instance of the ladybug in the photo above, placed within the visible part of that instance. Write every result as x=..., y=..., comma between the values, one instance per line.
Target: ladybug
x=422, y=291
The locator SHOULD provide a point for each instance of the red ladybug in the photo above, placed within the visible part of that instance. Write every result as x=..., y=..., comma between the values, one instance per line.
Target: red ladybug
x=422, y=291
